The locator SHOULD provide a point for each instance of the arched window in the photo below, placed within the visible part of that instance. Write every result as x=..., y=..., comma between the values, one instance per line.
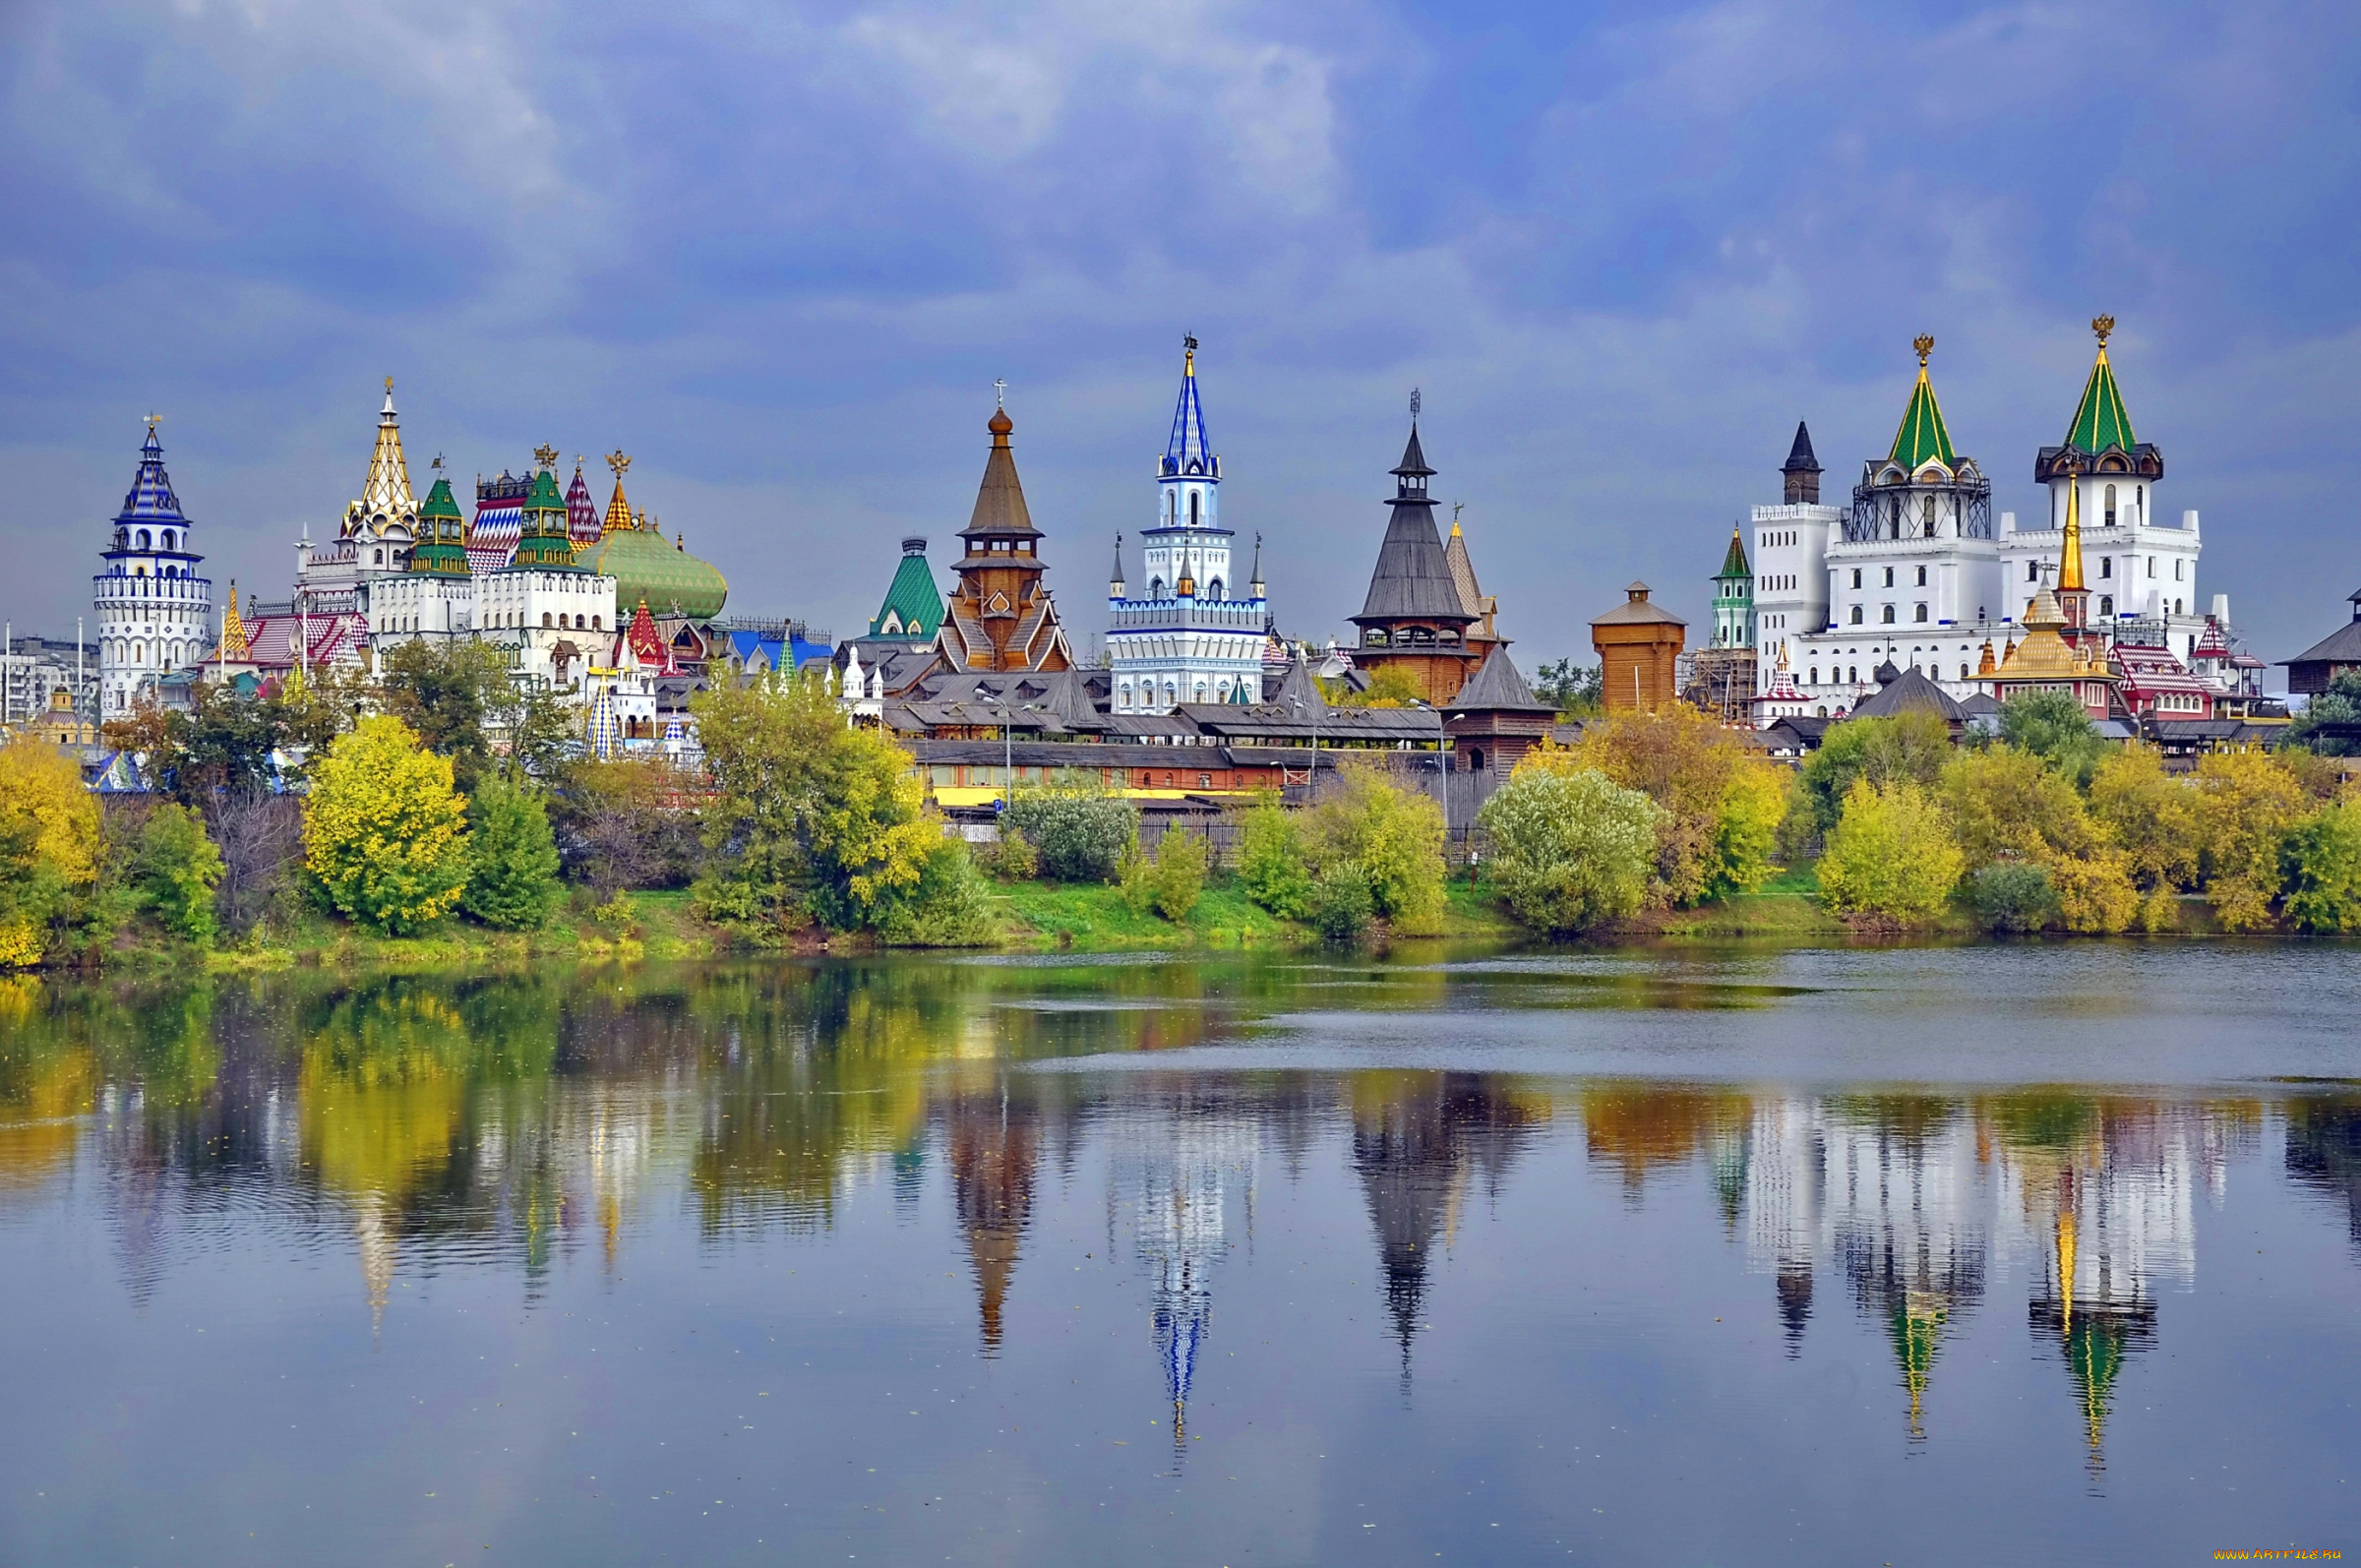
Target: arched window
x=594, y=626
x=1213, y=590
x=1922, y=576
x=577, y=624
x=1815, y=680
x=545, y=619
x=381, y=558
x=2106, y=604
x=2107, y=566
x=167, y=538
x=1857, y=615
x=1154, y=588
x=1852, y=672
x=1375, y=637
x=144, y=536
x=2179, y=608
x=1963, y=672
x=1919, y=615
x=1894, y=517
x=1887, y=617
x=2033, y=571
x=139, y=653
x=1193, y=509
x=2176, y=569
x=1888, y=576
x=1857, y=576
x=1926, y=515
x=2110, y=505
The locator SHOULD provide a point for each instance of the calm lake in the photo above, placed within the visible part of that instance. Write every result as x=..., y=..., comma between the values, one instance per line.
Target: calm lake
x=1999, y=1254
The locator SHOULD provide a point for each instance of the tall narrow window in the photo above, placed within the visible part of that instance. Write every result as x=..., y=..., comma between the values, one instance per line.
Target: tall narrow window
x=1192, y=509
x=1927, y=516
x=1888, y=576
x=1922, y=576
x=2110, y=505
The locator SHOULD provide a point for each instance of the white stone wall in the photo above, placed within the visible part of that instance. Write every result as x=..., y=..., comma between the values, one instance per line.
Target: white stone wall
x=1791, y=579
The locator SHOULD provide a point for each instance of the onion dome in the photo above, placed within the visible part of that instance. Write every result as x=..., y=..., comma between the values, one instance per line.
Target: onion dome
x=646, y=567
x=441, y=551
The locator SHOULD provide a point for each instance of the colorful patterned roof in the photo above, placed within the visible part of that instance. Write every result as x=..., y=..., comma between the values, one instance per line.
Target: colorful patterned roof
x=1923, y=436
x=619, y=511
x=581, y=512
x=2100, y=420
x=386, y=493
x=233, y=631
x=913, y=603
x=151, y=500
x=498, y=521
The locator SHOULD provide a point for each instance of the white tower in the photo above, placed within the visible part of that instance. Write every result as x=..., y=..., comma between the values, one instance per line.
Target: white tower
x=154, y=611
x=1190, y=637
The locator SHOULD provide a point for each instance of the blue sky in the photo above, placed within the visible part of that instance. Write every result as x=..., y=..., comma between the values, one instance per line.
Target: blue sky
x=779, y=253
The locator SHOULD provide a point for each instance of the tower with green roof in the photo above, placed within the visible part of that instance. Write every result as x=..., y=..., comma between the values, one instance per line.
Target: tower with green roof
x=2141, y=571
x=441, y=548
x=547, y=542
x=1733, y=598
x=913, y=608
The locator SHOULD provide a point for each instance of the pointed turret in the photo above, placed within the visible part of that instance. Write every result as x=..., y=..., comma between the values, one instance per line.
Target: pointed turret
x=1923, y=436
x=442, y=550
x=1254, y=585
x=1801, y=470
x=1463, y=568
x=1733, y=565
x=1115, y=582
x=1002, y=617
x=546, y=543
x=581, y=512
x=385, y=500
x=233, y=646
x=2100, y=420
x=999, y=511
x=1415, y=617
x=619, y=511
x=913, y=605
x=1188, y=452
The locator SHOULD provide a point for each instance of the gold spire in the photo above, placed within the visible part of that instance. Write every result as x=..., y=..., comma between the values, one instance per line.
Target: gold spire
x=2069, y=559
x=619, y=511
x=386, y=493
x=233, y=629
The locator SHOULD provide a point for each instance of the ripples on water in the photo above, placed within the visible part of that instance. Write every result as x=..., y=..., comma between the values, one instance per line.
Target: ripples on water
x=1713, y=1256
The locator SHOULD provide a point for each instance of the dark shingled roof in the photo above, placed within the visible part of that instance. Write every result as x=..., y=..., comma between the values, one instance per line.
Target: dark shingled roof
x=1908, y=691
x=1499, y=687
x=1799, y=456
x=1412, y=579
x=1635, y=607
x=2340, y=646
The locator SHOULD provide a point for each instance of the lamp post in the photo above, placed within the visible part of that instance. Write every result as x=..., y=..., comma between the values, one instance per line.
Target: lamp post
x=1007, y=758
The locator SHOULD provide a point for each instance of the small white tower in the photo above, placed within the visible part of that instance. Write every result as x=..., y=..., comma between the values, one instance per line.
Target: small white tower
x=154, y=611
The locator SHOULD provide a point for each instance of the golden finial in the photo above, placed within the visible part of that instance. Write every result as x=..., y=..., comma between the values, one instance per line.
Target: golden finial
x=546, y=456
x=154, y=420
x=1924, y=343
x=618, y=461
x=389, y=386
x=2103, y=325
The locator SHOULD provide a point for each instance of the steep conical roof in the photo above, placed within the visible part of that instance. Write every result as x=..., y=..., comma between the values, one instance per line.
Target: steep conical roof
x=1923, y=434
x=386, y=493
x=1462, y=571
x=1413, y=578
x=1801, y=459
x=619, y=511
x=1497, y=686
x=1188, y=452
x=234, y=629
x=1000, y=498
x=1298, y=686
x=441, y=504
x=439, y=552
x=2100, y=420
x=1733, y=565
x=150, y=499
x=912, y=600
x=581, y=512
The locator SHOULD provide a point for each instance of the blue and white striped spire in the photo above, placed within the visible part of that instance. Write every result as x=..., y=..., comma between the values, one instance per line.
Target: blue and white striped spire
x=1188, y=452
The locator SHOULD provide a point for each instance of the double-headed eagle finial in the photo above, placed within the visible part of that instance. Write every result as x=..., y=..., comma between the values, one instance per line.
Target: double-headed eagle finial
x=1924, y=343
x=618, y=461
x=2104, y=325
x=546, y=456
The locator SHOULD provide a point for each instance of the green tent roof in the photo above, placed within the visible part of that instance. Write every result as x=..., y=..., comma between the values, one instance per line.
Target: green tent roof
x=1733, y=565
x=912, y=598
x=545, y=495
x=439, y=502
x=1923, y=434
x=2101, y=421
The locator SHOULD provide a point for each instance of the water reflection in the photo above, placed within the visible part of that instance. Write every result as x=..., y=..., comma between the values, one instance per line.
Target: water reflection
x=517, y=1123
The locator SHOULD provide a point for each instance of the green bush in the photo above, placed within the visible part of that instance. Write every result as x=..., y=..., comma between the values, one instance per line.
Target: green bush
x=178, y=868
x=1571, y=849
x=2010, y=895
x=1078, y=827
x=1135, y=875
x=1010, y=858
x=2322, y=861
x=1182, y=858
x=1342, y=904
x=2054, y=727
x=949, y=908
x=1271, y=868
x=513, y=858
x=1891, y=854
x=1392, y=835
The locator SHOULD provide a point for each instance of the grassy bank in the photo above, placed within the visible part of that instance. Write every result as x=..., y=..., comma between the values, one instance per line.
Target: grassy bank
x=1093, y=918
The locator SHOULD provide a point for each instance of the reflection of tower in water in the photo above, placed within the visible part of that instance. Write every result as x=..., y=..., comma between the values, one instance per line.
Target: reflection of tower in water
x=993, y=1151
x=1417, y=1140
x=1786, y=1184
x=1191, y=1156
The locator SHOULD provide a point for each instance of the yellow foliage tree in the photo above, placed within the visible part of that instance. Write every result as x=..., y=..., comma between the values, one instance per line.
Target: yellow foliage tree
x=384, y=832
x=2246, y=802
x=1722, y=798
x=2151, y=815
x=48, y=846
x=1891, y=854
x=1392, y=834
x=2007, y=805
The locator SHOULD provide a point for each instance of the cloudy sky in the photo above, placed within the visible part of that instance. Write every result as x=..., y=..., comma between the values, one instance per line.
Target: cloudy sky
x=780, y=253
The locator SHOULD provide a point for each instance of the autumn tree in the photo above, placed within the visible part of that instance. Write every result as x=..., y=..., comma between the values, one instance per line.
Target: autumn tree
x=1391, y=833
x=1721, y=797
x=178, y=868
x=49, y=847
x=2246, y=802
x=1891, y=854
x=2151, y=815
x=1271, y=868
x=383, y=830
x=2007, y=804
x=2320, y=866
x=1571, y=848
x=1912, y=747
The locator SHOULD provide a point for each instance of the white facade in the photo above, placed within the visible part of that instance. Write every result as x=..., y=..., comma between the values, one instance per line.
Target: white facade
x=2134, y=566
x=154, y=612
x=1190, y=637
x=1790, y=578
x=551, y=621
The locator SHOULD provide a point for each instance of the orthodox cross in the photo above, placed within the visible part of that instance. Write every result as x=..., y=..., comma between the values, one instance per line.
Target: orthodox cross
x=1000, y=395
x=618, y=461
x=1457, y=507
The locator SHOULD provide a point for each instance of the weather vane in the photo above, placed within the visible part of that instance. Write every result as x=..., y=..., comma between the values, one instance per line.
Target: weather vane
x=154, y=420
x=1457, y=507
x=999, y=393
x=1924, y=343
x=618, y=461
x=1414, y=405
x=2104, y=325
x=437, y=464
x=389, y=386
x=1189, y=340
